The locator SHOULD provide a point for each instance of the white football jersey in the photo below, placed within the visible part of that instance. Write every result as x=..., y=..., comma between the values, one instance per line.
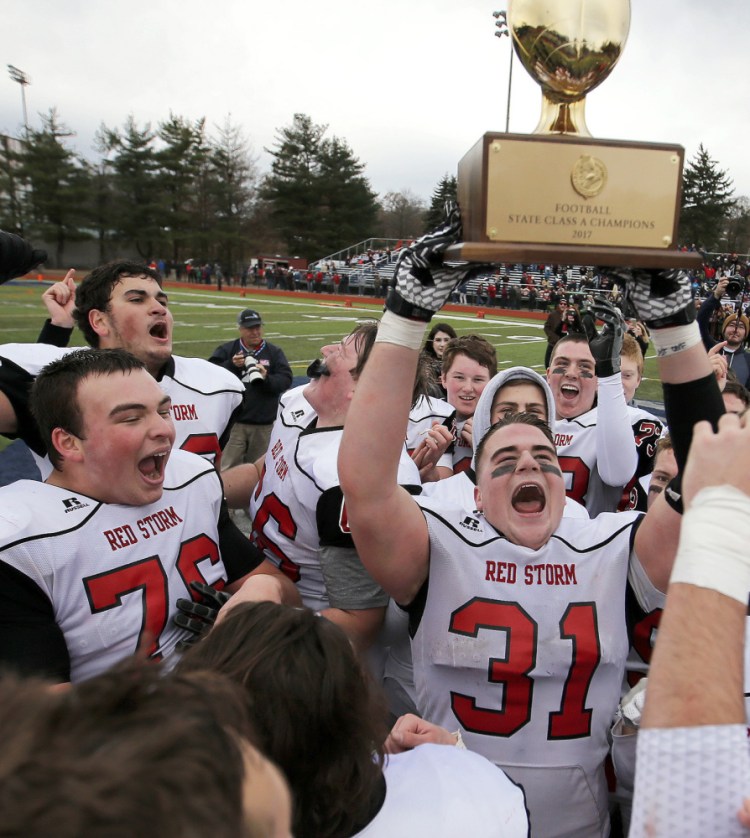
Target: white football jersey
x=113, y=573
x=298, y=495
x=524, y=651
x=575, y=440
x=204, y=398
x=422, y=417
x=443, y=792
x=647, y=430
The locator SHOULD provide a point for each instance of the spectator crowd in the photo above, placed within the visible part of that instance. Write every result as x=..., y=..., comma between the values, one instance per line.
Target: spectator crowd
x=443, y=617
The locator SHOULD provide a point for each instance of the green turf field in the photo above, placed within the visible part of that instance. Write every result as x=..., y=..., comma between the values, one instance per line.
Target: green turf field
x=204, y=319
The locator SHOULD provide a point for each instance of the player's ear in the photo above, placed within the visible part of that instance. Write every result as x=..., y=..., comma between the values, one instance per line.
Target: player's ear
x=67, y=445
x=478, y=498
x=99, y=322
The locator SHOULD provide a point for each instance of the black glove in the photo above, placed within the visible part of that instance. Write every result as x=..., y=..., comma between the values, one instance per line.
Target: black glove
x=198, y=617
x=422, y=282
x=17, y=256
x=607, y=345
x=662, y=298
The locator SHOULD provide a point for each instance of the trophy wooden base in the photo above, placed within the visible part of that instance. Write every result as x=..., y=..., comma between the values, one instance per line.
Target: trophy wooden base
x=525, y=253
x=571, y=200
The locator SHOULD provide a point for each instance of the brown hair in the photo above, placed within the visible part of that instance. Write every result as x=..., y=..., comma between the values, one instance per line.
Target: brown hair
x=631, y=349
x=316, y=712
x=130, y=752
x=474, y=347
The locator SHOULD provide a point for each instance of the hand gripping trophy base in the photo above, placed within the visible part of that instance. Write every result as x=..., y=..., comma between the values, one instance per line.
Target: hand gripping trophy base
x=662, y=299
x=422, y=282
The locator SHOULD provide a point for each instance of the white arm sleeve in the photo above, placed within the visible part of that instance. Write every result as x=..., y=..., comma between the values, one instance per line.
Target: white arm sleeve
x=616, y=454
x=690, y=782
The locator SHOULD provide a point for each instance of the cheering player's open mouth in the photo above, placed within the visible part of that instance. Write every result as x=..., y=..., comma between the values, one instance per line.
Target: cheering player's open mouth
x=317, y=369
x=528, y=499
x=159, y=330
x=152, y=467
x=568, y=391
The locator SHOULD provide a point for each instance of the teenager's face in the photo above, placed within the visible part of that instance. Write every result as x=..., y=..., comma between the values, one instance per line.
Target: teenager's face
x=439, y=342
x=464, y=383
x=127, y=437
x=572, y=377
x=520, y=488
x=136, y=319
x=631, y=377
x=523, y=397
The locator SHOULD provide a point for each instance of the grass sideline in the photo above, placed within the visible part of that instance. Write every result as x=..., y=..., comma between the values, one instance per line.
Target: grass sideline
x=299, y=323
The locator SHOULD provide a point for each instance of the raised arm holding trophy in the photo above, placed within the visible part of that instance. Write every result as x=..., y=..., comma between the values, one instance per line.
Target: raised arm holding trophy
x=558, y=195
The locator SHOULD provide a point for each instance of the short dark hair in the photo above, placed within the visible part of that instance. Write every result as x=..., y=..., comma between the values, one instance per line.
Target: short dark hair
x=315, y=710
x=515, y=419
x=95, y=291
x=739, y=390
x=473, y=346
x=133, y=751
x=571, y=337
x=364, y=339
x=54, y=394
x=446, y=329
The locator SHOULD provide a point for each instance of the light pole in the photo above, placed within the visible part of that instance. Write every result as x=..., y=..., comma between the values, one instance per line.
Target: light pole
x=501, y=22
x=21, y=77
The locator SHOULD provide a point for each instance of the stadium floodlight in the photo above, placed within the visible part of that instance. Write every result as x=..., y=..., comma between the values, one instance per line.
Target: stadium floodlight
x=24, y=80
x=501, y=29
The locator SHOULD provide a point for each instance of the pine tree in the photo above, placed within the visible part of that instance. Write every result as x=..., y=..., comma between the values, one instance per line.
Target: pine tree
x=706, y=202
x=291, y=187
x=446, y=190
x=54, y=182
x=318, y=196
x=137, y=215
x=178, y=165
x=234, y=174
x=348, y=207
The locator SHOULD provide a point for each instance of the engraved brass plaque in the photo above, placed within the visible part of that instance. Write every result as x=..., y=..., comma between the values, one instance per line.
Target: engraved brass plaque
x=565, y=192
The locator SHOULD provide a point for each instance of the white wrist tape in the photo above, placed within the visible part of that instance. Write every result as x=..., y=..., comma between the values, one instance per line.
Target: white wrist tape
x=399, y=330
x=675, y=339
x=713, y=551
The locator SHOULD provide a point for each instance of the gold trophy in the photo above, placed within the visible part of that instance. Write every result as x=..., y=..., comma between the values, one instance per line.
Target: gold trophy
x=558, y=195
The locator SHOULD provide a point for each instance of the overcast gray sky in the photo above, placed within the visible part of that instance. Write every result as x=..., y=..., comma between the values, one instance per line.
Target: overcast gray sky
x=410, y=84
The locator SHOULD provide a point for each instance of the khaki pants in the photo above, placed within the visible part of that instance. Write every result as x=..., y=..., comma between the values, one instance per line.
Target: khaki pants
x=246, y=443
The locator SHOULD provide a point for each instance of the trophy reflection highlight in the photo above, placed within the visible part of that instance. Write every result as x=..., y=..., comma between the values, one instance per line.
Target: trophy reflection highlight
x=568, y=47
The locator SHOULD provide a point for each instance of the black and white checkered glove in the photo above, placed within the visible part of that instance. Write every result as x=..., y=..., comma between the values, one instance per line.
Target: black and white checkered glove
x=422, y=282
x=607, y=345
x=661, y=298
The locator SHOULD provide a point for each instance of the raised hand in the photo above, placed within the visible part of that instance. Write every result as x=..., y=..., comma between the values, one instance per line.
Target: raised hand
x=607, y=345
x=662, y=298
x=60, y=300
x=422, y=282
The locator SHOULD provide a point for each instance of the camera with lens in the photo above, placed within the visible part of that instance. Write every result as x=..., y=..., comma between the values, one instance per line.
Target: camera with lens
x=253, y=371
x=734, y=286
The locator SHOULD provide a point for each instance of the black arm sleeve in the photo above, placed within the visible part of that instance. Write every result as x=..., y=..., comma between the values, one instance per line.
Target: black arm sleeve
x=31, y=642
x=688, y=403
x=239, y=554
x=54, y=335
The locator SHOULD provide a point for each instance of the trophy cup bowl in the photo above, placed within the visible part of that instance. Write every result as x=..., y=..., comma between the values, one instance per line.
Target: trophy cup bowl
x=558, y=195
x=568, y=47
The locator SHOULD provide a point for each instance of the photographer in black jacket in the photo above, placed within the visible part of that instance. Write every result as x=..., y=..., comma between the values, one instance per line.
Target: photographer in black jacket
x=734, y=328
x=266, y=374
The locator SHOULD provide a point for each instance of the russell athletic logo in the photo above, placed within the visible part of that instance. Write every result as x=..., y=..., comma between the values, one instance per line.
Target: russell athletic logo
x=73, y=505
